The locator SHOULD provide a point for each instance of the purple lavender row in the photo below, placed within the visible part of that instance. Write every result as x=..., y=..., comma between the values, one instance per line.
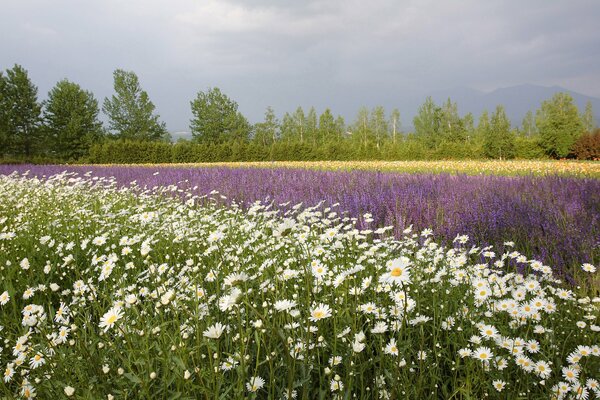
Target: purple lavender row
x=553, y=219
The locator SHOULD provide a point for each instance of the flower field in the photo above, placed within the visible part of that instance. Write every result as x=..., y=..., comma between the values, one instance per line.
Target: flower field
x=554, y=219
x=117, y=289
x=589, y=169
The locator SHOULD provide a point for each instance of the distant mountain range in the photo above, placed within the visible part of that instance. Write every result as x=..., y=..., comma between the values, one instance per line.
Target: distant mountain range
x=517, y=100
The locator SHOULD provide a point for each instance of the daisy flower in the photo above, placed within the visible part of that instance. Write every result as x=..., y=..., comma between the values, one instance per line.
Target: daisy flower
x=4, y=298
x=255, y=384
x=588, y=268
x=483, y=354
x=215, y=331
x=319, y=312
x=398, y=270
x=108, y=320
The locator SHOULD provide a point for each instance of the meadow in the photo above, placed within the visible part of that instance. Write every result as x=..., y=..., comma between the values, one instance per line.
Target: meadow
x=162, y=282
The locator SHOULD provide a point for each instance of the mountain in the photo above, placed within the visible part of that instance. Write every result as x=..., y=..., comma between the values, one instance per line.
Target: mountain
x=517, y=100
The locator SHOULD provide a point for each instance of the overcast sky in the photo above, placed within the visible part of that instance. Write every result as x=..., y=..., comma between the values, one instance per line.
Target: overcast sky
x=340, y=54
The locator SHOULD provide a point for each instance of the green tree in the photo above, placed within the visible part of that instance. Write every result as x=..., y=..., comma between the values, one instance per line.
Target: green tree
x=468, y=123
x=71, y=120
x=589, y=123
x=20, y=113
x=361, y=130
x=217, y=119
x=328, y=130
x=499, y=141
x=395, y=124
x=130, y=111
x=312, y=127
x=451, y=125
x=427, y=124
x=528, y=127
x=3, y=115
x=378, y=125
x=559, y=124
x=299, y=125
x=287, y=128
x=265, y=133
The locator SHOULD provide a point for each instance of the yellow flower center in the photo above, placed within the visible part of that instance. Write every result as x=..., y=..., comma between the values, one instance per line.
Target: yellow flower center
x=396, y=271
x=111, y=319
x=318, y=314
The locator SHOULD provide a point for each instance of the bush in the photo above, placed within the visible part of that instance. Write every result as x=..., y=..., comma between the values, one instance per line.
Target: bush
x=587, y=147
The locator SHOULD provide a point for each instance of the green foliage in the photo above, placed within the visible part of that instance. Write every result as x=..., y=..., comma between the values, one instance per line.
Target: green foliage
x=587, y=118
x=528, y=127
x=130, y=111
x=426, y=124
x=499, y=141
x=559, y=125
x=267, y=132
x=71, y=120
x=19, y=114
x=216, y=118
x=529, y=148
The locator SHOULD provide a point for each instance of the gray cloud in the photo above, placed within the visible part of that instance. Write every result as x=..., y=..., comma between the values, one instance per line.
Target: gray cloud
x=341, y=54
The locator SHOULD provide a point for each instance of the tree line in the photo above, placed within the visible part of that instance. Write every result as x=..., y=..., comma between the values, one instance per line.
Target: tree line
x=66, y=127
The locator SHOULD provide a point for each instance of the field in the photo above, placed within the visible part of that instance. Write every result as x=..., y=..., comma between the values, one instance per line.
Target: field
x=468, y=167
x=186, y=282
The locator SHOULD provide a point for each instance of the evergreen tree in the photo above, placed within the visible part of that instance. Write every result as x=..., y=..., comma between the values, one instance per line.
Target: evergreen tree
x=20, y=113
x=130, y=111
x=499, y=141
x=217, y=119
x=589, y=124
x=71, y=120
x=559, y=124
x=427, y=124
x=328, y=130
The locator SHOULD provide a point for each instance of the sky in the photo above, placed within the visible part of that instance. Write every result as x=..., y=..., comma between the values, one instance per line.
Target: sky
x=341, y=54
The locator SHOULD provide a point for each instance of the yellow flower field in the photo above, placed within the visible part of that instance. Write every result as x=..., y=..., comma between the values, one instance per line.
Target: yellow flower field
x=588, y=169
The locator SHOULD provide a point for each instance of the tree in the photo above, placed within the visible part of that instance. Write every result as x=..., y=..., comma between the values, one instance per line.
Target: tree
x=130, y=111
x=559, y=124
x=427, y=124
x=217, y=119
x=20, y=113
x=468, y=123
x=71, y=120
x=528, y=127
x=312, y=126
x=299, y=125
x=3, y=115
x=328, y=130
x=499, y=141
x=395, y=124
x=450, y=125
x=589, y=124
x=265, y=132
x=361, y=131
x=378, y=125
